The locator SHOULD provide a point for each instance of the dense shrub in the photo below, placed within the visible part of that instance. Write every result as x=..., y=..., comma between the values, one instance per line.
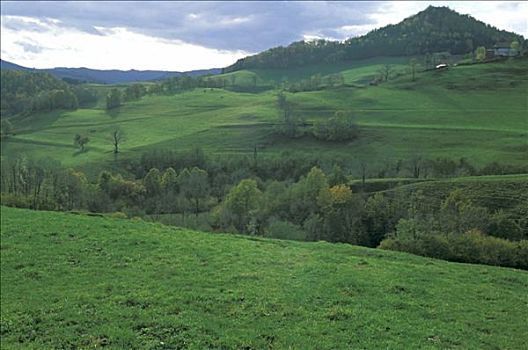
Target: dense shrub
x=284, y=230
x=340, y=127
x=470, y=247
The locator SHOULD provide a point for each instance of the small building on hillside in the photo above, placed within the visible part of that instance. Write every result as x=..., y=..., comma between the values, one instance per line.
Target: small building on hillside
x=504, y=50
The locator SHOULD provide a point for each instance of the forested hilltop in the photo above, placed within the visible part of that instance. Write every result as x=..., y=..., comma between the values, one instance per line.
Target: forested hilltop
x=436, y=29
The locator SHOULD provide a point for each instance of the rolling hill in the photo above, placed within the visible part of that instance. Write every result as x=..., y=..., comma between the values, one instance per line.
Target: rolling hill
x=77, y=281
x=111, y=76
x=472, y=111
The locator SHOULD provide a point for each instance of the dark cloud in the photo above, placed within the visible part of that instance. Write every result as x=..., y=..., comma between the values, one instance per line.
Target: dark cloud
x=30, y=47
x=249, y=26
x=18, y=24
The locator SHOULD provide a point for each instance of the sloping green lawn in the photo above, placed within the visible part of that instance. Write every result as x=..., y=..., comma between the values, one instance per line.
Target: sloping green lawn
x=74, y=281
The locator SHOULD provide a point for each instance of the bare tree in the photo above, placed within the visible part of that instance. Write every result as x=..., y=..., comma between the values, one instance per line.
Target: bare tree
x=117, y=137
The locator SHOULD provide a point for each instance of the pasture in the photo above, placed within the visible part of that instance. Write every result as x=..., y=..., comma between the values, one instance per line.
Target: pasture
x=78, y=281
x=478, y=112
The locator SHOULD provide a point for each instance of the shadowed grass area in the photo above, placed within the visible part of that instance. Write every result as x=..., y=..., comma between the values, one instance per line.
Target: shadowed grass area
x=78, y=281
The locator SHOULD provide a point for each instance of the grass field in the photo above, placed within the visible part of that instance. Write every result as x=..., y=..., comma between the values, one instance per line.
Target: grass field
x=73, y=281
x=354, y=72
x=478, y=112
x=498, y=191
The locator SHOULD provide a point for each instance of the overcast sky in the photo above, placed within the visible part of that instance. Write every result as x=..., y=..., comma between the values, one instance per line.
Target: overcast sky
x=193, y=35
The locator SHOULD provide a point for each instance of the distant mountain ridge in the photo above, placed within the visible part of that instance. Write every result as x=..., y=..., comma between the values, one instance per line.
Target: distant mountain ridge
x=108, y=76
x=435, y=29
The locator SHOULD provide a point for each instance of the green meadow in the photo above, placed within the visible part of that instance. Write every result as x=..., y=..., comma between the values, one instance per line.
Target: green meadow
x=354, y=72
x=474, y=111
x=74, y=281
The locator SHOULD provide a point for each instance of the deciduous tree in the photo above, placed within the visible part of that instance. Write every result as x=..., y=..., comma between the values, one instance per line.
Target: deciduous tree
x=113, y=99
x=80, y=141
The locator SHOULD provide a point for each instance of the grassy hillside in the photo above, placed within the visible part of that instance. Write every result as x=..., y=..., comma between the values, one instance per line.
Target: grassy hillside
x=497, y=192
x=477, y=111
x=78, y=281
x=354, y=72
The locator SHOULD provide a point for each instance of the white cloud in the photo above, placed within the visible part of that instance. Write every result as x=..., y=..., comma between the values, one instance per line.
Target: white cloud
x=313, y=37
x=113, y=48
x=355, y=30
x=318, y=36
x=233, y=21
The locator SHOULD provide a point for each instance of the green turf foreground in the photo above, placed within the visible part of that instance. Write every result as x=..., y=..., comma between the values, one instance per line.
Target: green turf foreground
x=74, y=281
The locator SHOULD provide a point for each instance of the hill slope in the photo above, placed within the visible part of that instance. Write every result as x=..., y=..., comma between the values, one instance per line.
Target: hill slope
x=110, y=76
x=77, y=281
x=436, y=29
x=476, y=111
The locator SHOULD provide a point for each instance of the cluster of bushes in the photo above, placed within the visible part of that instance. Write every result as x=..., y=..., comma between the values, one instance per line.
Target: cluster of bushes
x=470, y=247
x=458, y=230
x=133, y=92
x=340, y=127
x=316, y=207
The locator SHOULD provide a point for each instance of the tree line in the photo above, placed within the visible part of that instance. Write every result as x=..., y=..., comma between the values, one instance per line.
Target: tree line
x=291, y=201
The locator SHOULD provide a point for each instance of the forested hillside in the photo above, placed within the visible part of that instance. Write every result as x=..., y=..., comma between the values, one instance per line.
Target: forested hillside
x=24, y=92
x=436, y=29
